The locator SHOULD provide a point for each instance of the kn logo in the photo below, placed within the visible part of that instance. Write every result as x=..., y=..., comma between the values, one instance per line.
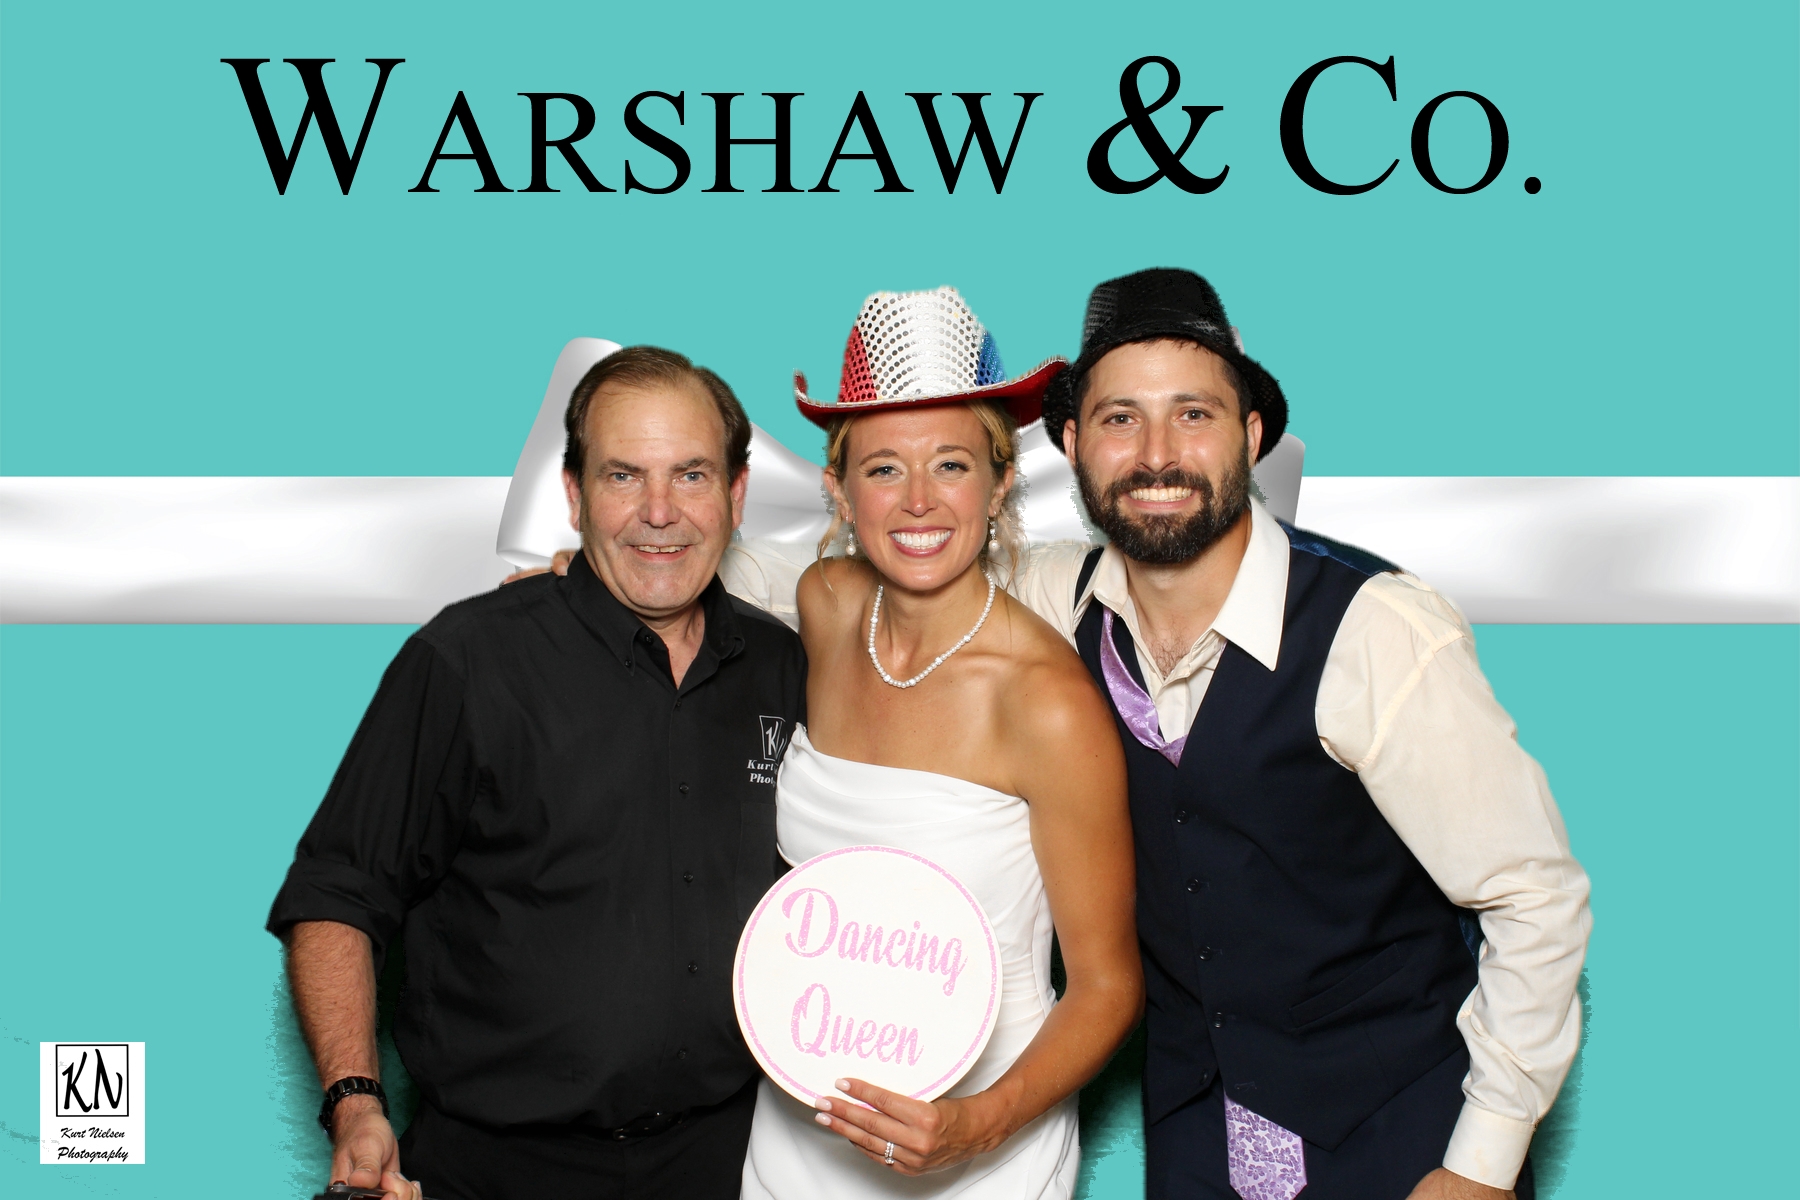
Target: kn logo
x=773, y=741
x=88, y=1084
x=772, y=736
x=91, y=1103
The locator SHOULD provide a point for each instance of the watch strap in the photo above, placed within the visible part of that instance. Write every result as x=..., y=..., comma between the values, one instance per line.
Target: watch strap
x=350, y=1085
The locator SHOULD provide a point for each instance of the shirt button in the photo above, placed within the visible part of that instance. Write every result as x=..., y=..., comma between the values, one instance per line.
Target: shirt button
x=681, y=1054
x=1206, y=953
x=693, y=968
x=1182, y=816
x=682, y=788
x=687, y=877
x=1218, y=1020
x=1196, y=884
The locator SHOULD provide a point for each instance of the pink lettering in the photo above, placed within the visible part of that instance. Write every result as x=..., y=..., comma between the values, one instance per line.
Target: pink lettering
x=817, y=926
x=800, y=1010
x=806, y=919
x=838, y=1034
x=951, y=964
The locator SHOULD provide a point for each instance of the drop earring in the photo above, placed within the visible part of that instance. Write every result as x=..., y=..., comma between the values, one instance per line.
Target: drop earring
x=993, y=538
x=850, y=542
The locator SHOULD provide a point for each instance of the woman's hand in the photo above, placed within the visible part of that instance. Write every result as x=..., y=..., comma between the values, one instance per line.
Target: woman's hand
x=559, y=563
x=926, y=1135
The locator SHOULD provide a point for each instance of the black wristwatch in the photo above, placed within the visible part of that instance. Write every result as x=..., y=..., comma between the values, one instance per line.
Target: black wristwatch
x=350, y=1085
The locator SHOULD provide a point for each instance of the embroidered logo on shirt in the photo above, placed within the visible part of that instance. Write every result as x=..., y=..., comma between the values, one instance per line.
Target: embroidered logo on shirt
x=772, y=741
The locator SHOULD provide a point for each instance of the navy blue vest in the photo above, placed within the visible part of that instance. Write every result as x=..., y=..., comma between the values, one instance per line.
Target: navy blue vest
x=1292, y=943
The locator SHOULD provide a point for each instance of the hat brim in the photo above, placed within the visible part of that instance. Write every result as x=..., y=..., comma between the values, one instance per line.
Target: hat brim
x=1022, y=396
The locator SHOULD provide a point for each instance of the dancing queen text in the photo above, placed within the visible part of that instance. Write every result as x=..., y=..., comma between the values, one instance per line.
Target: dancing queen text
x=816, y=930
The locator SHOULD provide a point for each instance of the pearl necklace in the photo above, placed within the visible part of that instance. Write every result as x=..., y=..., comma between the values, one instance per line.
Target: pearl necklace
x=939, y=660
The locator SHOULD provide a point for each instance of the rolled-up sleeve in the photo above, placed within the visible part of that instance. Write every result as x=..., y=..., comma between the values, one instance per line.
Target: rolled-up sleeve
x=394, y=814
x=1404, y=704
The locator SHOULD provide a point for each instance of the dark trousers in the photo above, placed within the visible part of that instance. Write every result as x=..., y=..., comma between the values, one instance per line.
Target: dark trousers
x=1383, y=1158
x=702, y=1158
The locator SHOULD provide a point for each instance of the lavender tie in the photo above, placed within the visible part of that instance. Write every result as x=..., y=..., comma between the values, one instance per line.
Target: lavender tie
x=1135, y=707
x=1266, y=1161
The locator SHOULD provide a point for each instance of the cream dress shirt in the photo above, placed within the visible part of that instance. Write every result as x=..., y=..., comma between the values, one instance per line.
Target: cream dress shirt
x=1403, y=703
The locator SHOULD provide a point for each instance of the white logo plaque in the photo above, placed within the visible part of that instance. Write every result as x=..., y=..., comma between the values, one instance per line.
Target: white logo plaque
x=869, y=962
x=90, y=1103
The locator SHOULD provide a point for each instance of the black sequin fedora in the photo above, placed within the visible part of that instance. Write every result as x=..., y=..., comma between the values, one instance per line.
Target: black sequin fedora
x=1163, y=302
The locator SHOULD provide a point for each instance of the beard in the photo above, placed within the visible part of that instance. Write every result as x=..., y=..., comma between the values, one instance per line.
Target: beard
x=1172, y=539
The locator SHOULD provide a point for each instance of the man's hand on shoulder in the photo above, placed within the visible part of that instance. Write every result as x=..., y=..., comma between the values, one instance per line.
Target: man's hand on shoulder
x=1445, y=1184
x=364, y=1151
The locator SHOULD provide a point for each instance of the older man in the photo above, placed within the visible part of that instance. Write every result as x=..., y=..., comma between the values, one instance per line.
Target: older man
x=1361, y=921
x=562, y=797
x=1330, y=807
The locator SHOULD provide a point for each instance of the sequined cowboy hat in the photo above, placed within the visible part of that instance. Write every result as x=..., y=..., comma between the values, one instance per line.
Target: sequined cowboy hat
x=1163, y=302
x=910, y=348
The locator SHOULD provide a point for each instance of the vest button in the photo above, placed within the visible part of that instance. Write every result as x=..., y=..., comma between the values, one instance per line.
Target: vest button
x=1196, y=884
x=1218, y=1020
x=1182, y=816
x=1206, y=953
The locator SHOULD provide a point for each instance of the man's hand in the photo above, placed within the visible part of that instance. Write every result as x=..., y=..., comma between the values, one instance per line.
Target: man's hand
x=1445, y=1184
x=364, y=1152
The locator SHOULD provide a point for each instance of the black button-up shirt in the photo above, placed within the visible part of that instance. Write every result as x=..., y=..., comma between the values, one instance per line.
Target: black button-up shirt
x=570, y=844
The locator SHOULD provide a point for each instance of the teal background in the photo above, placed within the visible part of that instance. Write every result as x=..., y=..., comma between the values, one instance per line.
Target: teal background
x=163, y=311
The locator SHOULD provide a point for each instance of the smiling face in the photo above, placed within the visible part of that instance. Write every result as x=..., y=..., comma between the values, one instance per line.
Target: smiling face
x=920, y=485
x=1162, y=453
x=655, y=507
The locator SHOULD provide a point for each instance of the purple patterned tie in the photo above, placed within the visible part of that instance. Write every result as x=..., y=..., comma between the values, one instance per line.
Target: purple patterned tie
x=1135, y=707
x=1267, y=1162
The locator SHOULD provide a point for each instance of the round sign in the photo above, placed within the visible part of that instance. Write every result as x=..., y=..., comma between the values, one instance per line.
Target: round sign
x=869, y=962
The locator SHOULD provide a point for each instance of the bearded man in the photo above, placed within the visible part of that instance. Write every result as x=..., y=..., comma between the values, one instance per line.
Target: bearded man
x=1361, y=922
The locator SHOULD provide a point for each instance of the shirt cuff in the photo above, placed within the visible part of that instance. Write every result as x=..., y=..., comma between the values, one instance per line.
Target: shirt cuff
x=321, y=890
x=1488, y=1147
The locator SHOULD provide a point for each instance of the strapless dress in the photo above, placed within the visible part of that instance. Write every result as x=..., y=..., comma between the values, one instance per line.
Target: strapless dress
x=982, y=837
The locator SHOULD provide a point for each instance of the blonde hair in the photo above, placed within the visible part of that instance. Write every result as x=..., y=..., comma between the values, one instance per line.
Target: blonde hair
x=1003, y=452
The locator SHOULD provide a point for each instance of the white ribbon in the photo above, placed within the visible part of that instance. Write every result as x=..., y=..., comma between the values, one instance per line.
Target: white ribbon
x=373, y=549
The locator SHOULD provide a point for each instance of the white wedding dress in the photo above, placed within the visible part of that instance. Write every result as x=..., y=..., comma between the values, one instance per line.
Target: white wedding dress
x=982, y=837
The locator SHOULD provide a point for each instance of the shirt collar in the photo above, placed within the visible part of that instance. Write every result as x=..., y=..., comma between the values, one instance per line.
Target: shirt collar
x=623, y=632
x=1251, y=617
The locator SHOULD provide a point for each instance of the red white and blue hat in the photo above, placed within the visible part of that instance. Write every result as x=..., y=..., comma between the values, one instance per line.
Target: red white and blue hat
x=925, y=348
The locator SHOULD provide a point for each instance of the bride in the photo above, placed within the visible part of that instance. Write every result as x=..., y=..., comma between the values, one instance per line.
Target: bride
x=947, y=719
